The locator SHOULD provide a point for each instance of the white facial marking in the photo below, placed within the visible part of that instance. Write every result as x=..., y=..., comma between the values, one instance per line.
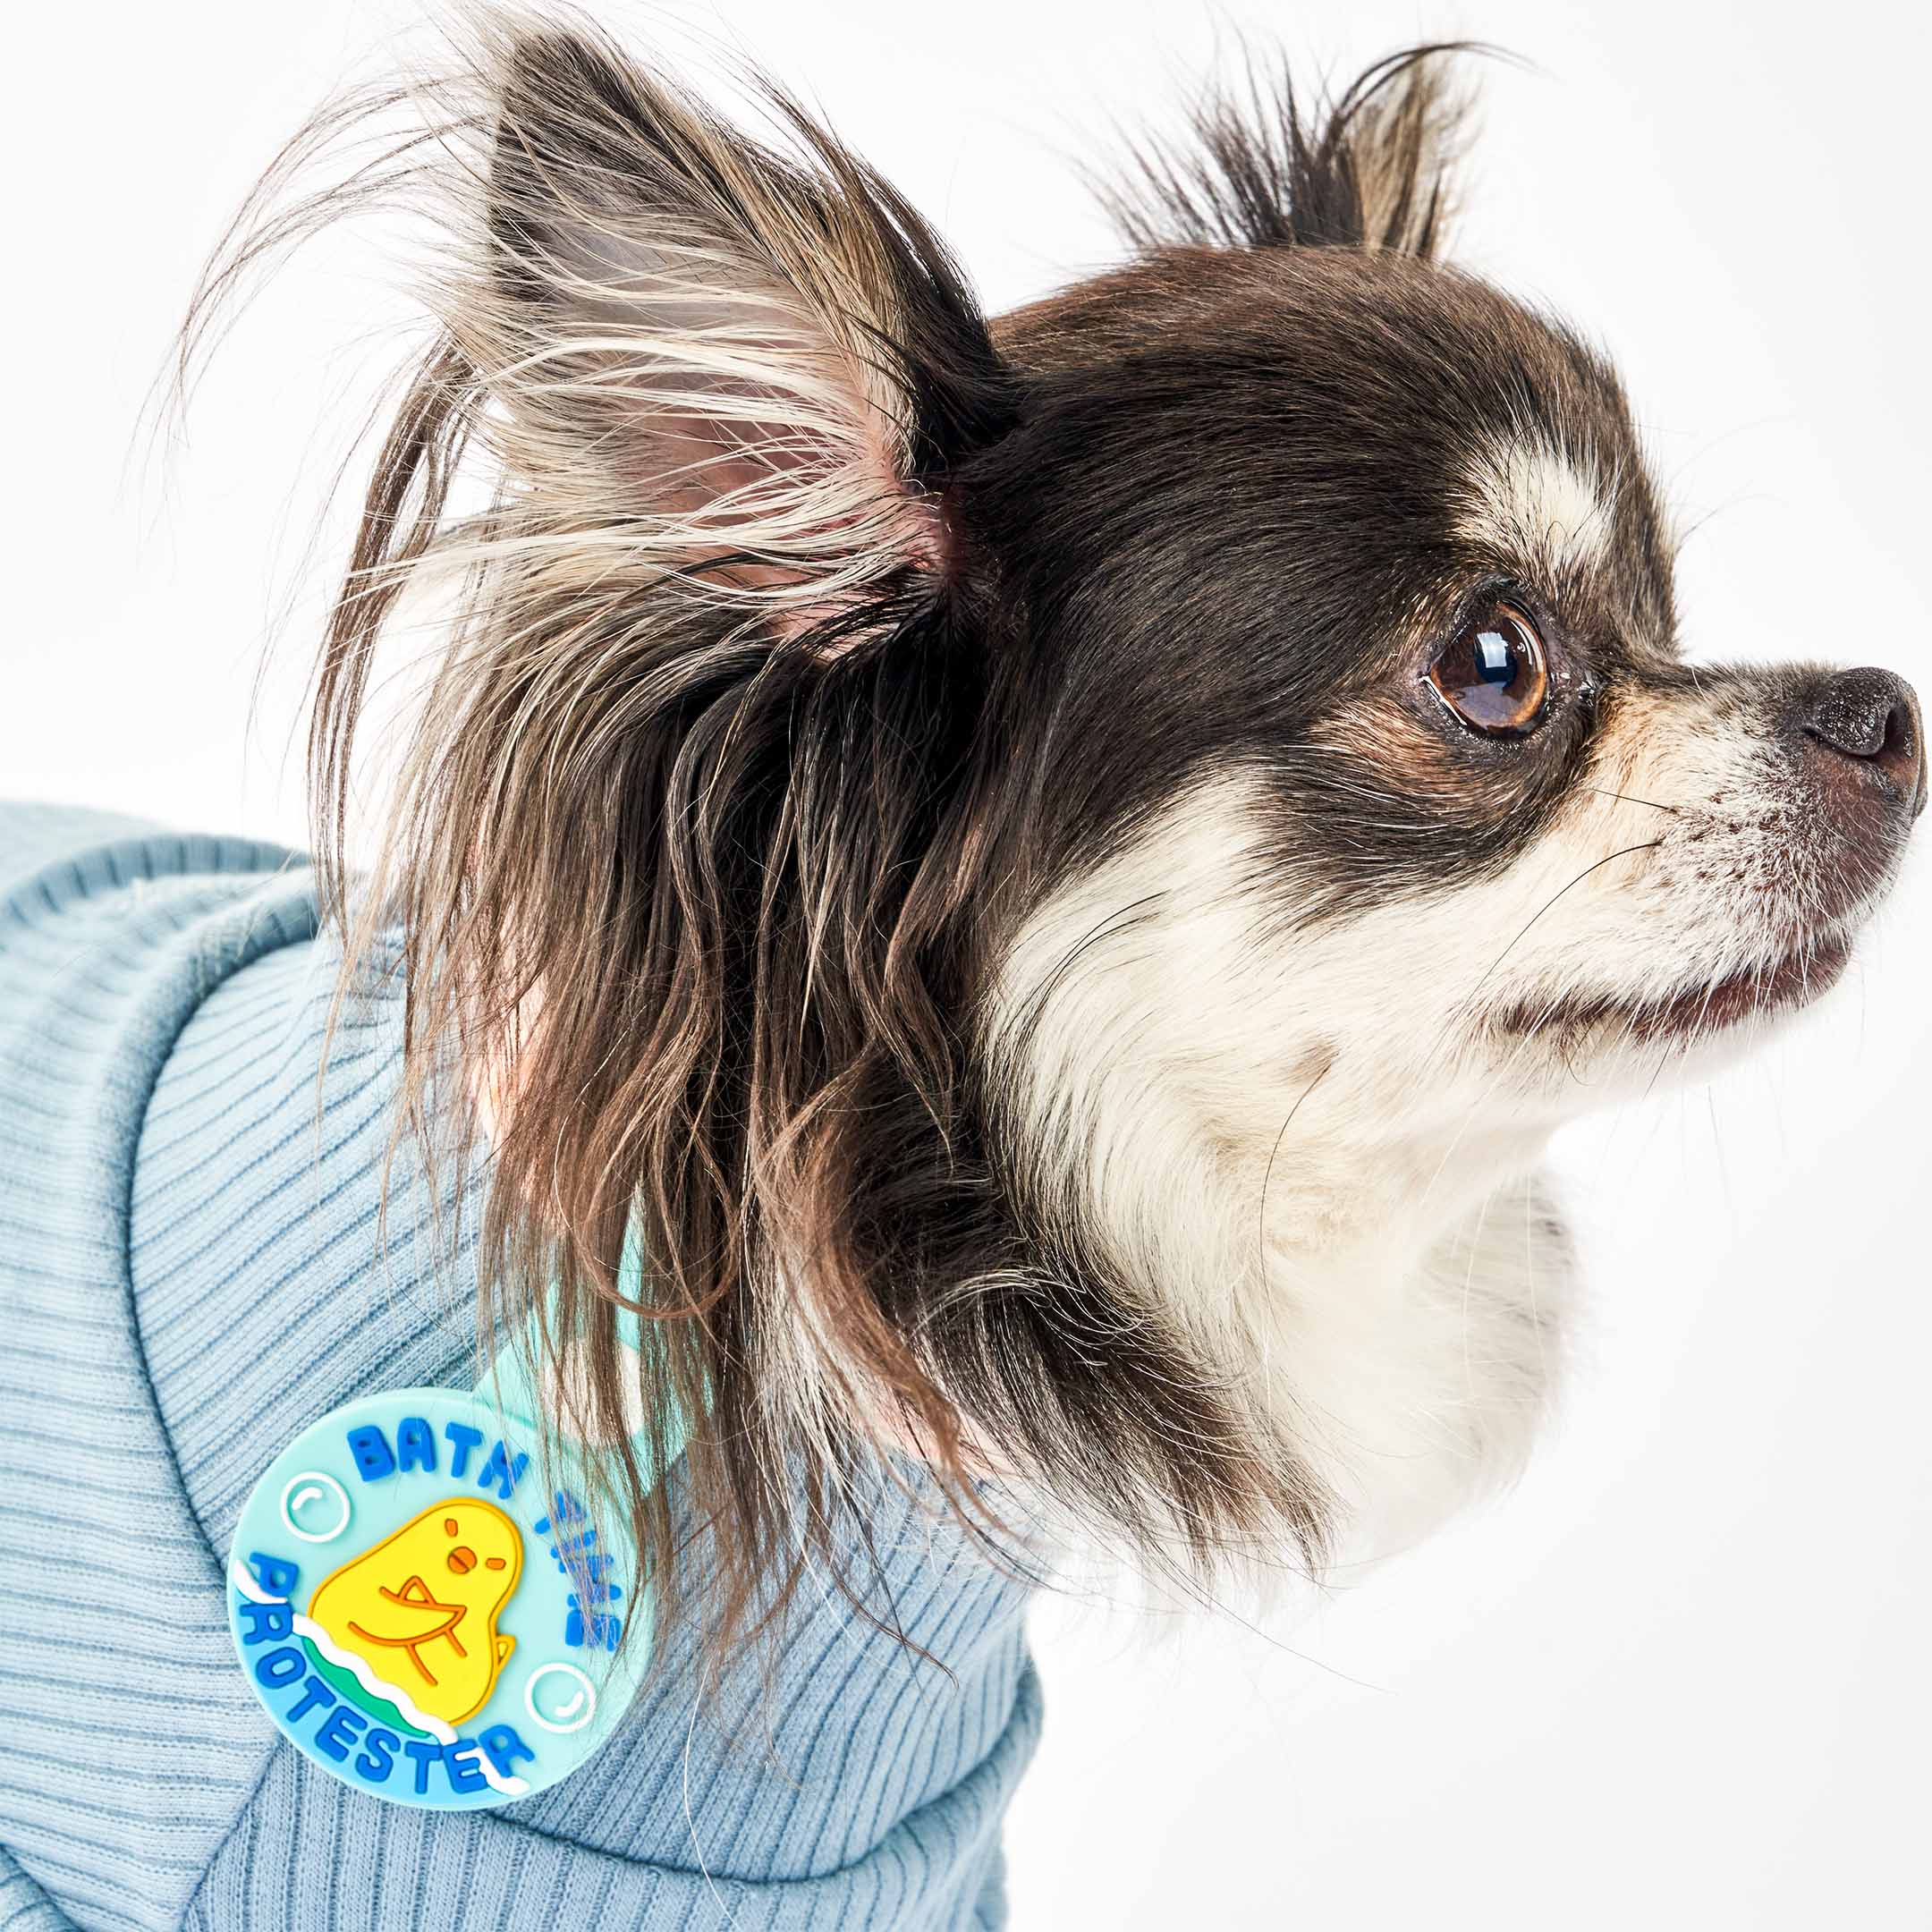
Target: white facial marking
x=1527, y=500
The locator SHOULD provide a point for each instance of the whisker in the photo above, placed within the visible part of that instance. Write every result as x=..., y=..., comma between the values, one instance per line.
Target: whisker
x=1630, y=797
x=1268, y=1173
x=1647, y=845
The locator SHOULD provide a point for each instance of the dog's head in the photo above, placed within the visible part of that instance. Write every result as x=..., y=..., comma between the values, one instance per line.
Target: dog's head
x=1057, y=870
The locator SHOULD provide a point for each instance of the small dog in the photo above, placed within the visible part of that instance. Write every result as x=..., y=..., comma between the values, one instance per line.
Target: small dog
x=1055, y=872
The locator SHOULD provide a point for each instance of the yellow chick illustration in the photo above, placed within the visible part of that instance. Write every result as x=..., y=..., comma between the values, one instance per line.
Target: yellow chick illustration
x=421, y=1607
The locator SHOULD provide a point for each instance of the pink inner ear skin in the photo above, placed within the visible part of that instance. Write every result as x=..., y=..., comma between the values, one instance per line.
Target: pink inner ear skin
x=732, y=481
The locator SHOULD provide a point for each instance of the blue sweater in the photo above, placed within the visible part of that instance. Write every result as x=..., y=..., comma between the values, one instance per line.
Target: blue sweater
x=190, y=1274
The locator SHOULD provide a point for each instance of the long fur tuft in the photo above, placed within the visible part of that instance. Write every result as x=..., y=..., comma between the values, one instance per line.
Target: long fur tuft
x=657, y=847
x=1372, y=169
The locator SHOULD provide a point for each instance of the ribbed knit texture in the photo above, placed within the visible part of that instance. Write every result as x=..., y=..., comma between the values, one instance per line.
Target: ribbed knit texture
x=190, y=1274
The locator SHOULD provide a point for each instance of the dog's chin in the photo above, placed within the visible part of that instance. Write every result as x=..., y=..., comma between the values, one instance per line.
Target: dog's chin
x=1702, y=1016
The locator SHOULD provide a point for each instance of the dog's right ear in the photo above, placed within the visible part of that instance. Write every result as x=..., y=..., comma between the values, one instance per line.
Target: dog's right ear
x=1370, y=168
x=761, y=364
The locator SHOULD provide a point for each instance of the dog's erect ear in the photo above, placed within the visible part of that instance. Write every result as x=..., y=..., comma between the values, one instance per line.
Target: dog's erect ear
x=764, y=361
x=1369, y=169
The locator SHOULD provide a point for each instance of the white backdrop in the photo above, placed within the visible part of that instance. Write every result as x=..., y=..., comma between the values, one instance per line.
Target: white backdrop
x=1680, y=1677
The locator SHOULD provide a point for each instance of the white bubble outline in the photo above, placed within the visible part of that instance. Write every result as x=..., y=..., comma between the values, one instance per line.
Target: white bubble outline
x=342, y=1494
x=536, y=1716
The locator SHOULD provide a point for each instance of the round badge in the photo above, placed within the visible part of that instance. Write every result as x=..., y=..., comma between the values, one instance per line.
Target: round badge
x=420, y=1618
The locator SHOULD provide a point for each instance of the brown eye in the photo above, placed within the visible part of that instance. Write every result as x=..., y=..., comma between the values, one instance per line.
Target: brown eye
x=1492, y=674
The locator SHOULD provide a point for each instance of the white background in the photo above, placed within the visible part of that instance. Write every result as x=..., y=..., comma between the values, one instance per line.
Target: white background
x=1680, y=1678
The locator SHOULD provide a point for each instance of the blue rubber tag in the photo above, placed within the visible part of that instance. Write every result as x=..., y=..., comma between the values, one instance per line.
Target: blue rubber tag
x=410, y=1605
x=420, y=1615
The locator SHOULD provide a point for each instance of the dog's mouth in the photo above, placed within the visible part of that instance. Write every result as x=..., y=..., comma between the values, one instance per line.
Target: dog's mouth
x=1780, y=985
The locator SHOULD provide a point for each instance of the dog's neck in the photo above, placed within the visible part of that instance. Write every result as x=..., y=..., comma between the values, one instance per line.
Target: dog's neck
x=1416, y=1351
x=1400, y=1327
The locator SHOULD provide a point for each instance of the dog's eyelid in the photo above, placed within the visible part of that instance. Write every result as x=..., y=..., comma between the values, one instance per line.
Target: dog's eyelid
x=1478, y=593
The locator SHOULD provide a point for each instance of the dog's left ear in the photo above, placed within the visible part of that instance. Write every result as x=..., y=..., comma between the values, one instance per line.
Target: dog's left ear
x=755, y=356
x=1369, y=169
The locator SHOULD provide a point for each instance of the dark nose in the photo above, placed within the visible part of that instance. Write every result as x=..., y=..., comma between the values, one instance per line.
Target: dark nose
x=1873, y=717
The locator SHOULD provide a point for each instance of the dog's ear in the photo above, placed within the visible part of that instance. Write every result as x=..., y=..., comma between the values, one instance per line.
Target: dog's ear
x=757, y=359
x=1370, y=168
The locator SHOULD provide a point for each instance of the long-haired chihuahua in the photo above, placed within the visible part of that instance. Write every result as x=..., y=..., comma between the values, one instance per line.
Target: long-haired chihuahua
x=1054, y=873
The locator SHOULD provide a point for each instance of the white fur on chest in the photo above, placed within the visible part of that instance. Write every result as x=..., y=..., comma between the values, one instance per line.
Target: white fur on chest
x=1417, y=1381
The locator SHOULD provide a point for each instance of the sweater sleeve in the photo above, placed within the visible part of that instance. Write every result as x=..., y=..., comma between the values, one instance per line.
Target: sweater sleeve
x=125, y=1740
